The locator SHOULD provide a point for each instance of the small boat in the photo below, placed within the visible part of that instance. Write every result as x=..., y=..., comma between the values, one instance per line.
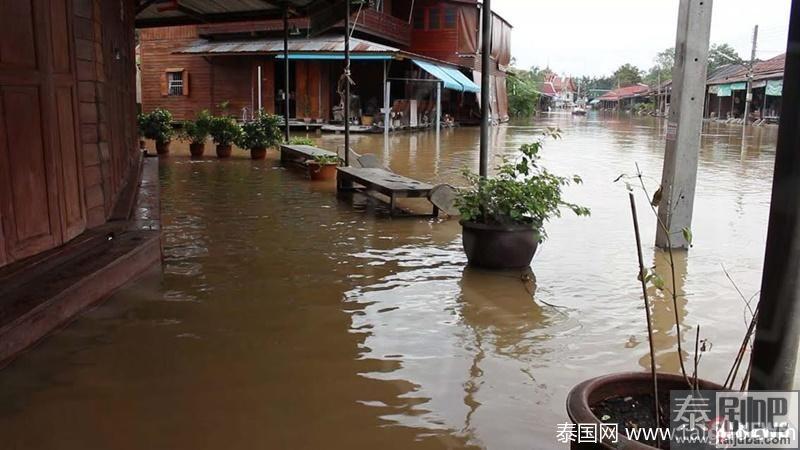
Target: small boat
x=578, y=111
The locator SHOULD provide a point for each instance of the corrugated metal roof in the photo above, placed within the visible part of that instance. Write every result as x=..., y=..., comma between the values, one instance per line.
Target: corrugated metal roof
x=322, y=44
x=210, y=10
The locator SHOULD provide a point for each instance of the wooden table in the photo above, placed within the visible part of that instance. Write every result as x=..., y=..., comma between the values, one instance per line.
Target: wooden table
x=382, y=181
x=299, y=154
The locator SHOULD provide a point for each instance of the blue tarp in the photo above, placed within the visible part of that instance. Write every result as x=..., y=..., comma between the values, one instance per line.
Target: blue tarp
x=469, y=85
x=330, y=56
x=774, y=88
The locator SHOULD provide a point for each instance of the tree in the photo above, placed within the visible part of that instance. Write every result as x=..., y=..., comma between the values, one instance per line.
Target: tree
x=523, y=96
x=628, y=74
x=720, y=55
x=662, y=69
x=595, y=86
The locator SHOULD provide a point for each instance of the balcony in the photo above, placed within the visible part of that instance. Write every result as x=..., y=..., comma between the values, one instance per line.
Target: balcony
x=385, y=26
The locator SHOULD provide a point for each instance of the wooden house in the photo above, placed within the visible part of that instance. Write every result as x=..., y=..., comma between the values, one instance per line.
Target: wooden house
x=411, y=44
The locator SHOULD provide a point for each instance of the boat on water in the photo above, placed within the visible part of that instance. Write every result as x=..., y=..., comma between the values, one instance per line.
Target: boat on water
x=578, y=111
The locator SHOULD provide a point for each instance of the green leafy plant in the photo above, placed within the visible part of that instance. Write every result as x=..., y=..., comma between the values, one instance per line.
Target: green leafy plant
x=301, y=140
x=262, y=132
x=324, y=160
x=224, y=130
x=196, y=131
x=157, y=125
x=522, y=193
x=141, y=124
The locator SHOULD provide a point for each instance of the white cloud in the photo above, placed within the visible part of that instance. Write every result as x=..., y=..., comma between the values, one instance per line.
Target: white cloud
x=594, y=37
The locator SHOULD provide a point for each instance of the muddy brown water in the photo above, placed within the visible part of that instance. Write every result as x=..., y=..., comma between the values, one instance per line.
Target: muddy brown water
x=284, y=317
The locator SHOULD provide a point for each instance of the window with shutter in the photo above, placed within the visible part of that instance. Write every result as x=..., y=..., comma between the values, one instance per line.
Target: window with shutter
x=176, y=83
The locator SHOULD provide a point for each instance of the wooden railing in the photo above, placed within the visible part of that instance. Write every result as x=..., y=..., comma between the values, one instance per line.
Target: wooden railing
x=383, y=25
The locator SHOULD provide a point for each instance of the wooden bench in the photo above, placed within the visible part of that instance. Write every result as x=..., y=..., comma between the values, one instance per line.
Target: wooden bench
x=384, y=182
x=299, y=154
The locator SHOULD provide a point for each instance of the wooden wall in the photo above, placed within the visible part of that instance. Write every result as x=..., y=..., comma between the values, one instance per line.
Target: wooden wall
x=67, y=119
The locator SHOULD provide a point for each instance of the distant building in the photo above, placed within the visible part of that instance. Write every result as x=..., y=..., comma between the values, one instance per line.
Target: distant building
x=561, y=91
x=727, y=86
x=412, y=44
x=623, y=97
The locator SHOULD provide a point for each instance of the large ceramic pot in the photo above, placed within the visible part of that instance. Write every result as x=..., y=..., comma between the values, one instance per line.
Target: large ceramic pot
x=162, y=148
x=584, y=396
x=224, y=151
x=321, y=172
x=197, y=149
x=499, y=246
x=258, y=153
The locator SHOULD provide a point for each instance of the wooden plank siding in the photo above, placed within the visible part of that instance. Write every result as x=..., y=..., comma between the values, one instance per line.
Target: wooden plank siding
x=67, y=97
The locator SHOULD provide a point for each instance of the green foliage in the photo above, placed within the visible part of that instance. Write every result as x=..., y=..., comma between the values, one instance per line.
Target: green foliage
x=720, y=55
x=157, y=125
x=327, y=159
x=224, y=130
x=662, y=69
x=627, y=75
x=262, y=132
x=522, y=94
x=522, y=193
x=301, y=140
x=596, y=86
x=141, y=123
x=196, y=131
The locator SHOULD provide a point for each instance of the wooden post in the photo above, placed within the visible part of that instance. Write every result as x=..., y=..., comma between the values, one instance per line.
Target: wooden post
x=347, y=83
x=748, y=96
x=486, y=49
x=778, y=328
x=286, y=71
x=685, y=123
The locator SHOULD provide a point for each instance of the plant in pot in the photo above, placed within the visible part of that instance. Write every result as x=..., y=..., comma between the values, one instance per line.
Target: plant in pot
x=158, y=127
x=503, y=217
x=195, y=132
x=260, y=133
x=225, y=131
x=301, y=140
x=641, y=400
x=323, y=167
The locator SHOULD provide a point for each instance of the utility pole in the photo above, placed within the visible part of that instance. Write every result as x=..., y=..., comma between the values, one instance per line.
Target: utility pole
x=776, y=338
x=486, y=50
x=749, y=95
x=684, y=123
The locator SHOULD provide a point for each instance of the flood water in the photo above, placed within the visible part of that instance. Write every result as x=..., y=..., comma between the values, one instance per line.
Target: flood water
x=284, y=317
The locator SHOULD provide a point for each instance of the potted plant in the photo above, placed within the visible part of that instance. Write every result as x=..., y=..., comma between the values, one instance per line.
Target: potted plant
x=196, y=132
x=641, y=400
x=158, y=127
x=260, y=133
x=503, y=217
x=322, y=167
x=225, y=131
x=301, y=140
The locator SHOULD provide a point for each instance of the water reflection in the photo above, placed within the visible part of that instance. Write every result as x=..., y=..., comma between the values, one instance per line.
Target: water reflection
x=288, y=318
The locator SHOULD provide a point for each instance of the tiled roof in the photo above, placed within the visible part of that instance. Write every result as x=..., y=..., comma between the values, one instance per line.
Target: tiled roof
x=625, y=92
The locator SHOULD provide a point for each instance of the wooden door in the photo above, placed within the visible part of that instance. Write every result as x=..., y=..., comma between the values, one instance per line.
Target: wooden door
x=41, y=196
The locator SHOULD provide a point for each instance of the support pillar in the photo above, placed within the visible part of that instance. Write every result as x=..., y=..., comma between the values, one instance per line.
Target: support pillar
x=347, y=84
x=685, y=122
x=486, y=49
x=776, y=337
x=286, y=71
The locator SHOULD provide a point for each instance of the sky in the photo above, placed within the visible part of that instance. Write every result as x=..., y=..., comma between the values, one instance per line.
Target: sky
x=594, y=37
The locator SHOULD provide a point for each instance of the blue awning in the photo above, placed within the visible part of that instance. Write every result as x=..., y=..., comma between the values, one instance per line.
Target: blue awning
x=335, y=56
x=450, y=78
x=469, y=85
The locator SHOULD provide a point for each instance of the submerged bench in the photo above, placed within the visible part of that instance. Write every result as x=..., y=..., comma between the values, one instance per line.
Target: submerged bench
x=382, y=181
x=299, y=154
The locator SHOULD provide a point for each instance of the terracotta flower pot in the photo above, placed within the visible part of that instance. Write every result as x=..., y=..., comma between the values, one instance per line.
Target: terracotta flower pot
x=197, y=149
x=224, y=151
x=499, y=246
x=258, y=153
x=142, y=145
x=321, y=172
x=584, y=396
x=162, y=148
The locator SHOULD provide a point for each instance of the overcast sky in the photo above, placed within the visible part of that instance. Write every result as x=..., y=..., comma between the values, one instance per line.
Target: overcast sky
x=594, y=37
